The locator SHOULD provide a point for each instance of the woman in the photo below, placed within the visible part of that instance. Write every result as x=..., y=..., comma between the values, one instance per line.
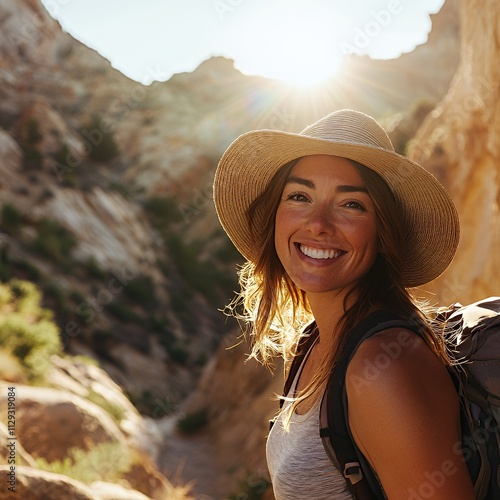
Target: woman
x=334, y=226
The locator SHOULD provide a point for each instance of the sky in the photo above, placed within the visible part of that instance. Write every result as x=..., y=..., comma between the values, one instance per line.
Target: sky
x=298, y=41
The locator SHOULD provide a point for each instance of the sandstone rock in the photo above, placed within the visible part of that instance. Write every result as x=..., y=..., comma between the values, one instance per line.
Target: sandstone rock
x=110, y=491
x=53, y=128
x=83, y=379
x=459, y=143
x=110, y=229
x=144, y=477
x=50, y=422
x=34, y=484
x=21, y=456
x=10, y=157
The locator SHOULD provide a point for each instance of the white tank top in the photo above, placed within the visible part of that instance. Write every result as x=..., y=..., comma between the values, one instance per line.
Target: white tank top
x=297, y=461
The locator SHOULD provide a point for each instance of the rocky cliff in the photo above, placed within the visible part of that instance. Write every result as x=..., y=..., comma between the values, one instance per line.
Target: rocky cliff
x=74, y=222
x=459, y=143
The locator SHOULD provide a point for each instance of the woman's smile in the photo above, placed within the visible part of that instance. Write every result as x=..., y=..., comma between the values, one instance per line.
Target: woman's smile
x=320, y=253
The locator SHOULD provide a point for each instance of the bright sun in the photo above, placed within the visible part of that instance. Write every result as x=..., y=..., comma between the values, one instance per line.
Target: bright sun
x=300, y=49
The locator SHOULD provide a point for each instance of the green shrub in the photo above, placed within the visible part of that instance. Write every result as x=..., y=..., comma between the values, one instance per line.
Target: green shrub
x=123, y=312
x=26, y=330
x=115, y=410
x=5, y=264
x=142, y=291
x=54, y=242
x=67, y=171
x=77, y=297
x=251, y=488
x=120, y=188
x=162, y=211
x=57, y=296
x=11, y=219
x=105, y=462
x=151, y=405
x=27, y=270
x=158, y=324
x=93, y=268
x=193, y=422
x=32, y=158
x=28, y=299
x=33, y=134
x=178, y=354
x=103, y=144
x=203, y=276
x=21, y=269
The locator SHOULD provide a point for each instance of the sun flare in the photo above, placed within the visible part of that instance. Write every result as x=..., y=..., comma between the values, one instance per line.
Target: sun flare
x=299, y=49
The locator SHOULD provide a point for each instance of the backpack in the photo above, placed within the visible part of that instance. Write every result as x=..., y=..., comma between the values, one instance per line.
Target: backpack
x=473, y=333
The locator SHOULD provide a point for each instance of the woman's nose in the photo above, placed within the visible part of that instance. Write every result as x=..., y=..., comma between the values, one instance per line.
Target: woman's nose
x=321, y=219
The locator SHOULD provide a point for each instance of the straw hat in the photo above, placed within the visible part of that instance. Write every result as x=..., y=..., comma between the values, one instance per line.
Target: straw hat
x=248, y=165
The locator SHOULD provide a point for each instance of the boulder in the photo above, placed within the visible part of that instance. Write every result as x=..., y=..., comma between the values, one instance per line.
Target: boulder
x=34, y=484
x=110, y=491
x=22, y=457
x=85, y=379
x=50, y=422
x=144, y=477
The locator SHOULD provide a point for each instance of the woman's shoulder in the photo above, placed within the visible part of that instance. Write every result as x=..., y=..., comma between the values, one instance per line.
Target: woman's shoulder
x=402, y=403
x=395, y=358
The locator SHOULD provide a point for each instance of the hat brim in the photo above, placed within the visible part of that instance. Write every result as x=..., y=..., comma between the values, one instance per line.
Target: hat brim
x=430, y=217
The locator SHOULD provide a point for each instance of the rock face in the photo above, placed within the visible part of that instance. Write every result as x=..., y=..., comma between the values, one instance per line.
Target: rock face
x=86, y=381
x=459, y=143
x=39, y=485
x=52, y=422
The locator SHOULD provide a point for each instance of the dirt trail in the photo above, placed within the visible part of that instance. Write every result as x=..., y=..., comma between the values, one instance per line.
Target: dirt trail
x=189, y=460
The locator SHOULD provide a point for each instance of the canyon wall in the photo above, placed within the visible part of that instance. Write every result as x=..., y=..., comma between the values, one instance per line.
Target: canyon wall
x=460, y=143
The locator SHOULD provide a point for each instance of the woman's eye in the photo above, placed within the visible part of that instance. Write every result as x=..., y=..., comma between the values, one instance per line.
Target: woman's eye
x=355, y=204
x=296, y=197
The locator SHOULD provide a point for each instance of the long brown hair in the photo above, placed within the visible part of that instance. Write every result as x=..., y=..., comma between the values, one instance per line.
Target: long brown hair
x=277, y=310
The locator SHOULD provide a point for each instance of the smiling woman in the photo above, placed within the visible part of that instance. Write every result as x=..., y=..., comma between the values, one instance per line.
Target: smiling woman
x=324, y=219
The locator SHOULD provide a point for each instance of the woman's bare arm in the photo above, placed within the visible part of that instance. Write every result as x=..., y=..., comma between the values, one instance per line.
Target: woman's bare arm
x=404, y=416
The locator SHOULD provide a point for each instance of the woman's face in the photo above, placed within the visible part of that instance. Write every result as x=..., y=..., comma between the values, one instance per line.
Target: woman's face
x=326, y=234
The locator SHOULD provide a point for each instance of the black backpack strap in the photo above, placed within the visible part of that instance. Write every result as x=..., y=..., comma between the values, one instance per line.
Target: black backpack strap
x=334, y=426
x=308, y=338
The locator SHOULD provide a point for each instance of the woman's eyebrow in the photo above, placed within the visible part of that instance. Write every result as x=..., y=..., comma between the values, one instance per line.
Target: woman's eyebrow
x=351, y=189
x=344, y=188
x=299, y=180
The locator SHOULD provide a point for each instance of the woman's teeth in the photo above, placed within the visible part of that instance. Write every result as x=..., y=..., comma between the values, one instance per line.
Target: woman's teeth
x=315, y=253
